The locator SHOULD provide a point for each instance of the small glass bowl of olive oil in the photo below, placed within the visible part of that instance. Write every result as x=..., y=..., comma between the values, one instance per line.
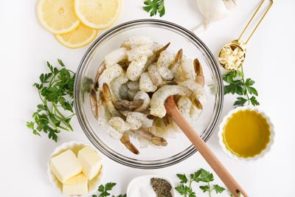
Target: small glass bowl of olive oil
x=246, y=133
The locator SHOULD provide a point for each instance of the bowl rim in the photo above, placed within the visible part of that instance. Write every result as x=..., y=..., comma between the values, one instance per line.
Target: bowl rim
x=225, y=121
x=151, y=164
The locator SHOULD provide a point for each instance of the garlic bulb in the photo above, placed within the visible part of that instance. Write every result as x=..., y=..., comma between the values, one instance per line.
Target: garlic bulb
x=213, y=10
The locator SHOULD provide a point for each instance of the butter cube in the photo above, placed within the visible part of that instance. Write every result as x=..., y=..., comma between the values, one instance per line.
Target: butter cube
x=65, y=166
x=77, y=185
x=90, y=161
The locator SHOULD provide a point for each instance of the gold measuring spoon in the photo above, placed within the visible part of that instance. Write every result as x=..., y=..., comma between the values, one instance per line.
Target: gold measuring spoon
x=233, y=54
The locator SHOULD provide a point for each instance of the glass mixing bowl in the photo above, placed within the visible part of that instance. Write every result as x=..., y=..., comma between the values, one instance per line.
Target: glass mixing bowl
x=179, y=147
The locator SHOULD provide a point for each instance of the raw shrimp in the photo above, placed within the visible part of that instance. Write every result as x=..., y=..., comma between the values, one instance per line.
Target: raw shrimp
x=115, y=57
x=146, y=84
x=119, y=124
x=165, y=60
x=156, y=140
x=94, y=103
x=134, y=123
x=141, y=95
x=137, y=41
x=99, y=71
x=108, y=100
x=131, y=94
x=109, y=74
x=123, y=92
x=155, y=75
x=116, y=85
x=132, y=117
x=137, y=52
x=200, y=79
x=125, y=140
x=197, y=85
x=188, y=69
x=124, y=105
x=184, y=105
x=136, y=68
x=197, y=91
x=133, y=85
x=160, y=96
x=177, y=62
x=157, y=50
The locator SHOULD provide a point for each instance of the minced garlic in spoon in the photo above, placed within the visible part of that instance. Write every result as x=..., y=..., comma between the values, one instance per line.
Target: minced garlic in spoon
x=233, y=54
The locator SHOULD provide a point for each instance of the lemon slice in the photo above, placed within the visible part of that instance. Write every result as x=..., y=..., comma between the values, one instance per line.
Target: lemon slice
x=57, y=16
x=98, y=14
x=77, y=38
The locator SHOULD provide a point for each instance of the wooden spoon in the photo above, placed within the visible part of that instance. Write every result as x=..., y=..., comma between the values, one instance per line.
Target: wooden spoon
x=201, y=146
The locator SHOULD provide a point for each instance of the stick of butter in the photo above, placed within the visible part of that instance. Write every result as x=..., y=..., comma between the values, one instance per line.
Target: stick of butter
x=78, y=185
x=65, y=166
x=90, y=161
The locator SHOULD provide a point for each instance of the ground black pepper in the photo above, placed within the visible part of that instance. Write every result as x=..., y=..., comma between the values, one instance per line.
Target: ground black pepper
x=161, y=187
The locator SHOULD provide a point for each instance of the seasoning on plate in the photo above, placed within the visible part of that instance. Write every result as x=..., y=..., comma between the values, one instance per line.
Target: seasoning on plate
x=161, y=187
x=246, y=133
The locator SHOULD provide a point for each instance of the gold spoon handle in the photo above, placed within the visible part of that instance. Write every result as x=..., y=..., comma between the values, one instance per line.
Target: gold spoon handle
x=259, y=22
x=201, y=146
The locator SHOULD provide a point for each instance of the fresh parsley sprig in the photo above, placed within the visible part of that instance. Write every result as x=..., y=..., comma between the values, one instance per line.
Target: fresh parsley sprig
x=154, y=7
x=104, y=190
x=54, y=113
x=201, y=176
x=236, y=84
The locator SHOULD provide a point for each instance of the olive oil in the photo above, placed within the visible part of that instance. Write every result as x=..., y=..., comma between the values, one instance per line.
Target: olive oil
x=246, y=133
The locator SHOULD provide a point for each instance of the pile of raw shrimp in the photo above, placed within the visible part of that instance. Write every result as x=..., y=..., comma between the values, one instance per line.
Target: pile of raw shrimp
x=133, y=83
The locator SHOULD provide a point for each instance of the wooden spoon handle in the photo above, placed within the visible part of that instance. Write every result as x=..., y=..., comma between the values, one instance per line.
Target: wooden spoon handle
x=201, y=146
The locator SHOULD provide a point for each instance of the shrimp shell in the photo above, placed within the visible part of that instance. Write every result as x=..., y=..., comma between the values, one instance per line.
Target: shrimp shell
x=156, y=140
x=177, y=61
x=108, y=100
x=125, y=140
x=200, y=79
x=159, y=97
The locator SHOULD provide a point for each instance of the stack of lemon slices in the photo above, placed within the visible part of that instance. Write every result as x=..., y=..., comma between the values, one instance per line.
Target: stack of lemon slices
x=75, y=23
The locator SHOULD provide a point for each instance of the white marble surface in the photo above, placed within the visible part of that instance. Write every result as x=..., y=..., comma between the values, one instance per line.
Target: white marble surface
x=25, y=47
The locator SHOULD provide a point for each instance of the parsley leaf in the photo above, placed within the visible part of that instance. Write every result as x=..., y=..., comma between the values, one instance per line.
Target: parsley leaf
x=182, y=177
x=104, y=190
x=218, y=189
x=56, y=91
x=185, y=190
x=237, y=84
x=202, y=176
x=154, y=7
x=185, y=187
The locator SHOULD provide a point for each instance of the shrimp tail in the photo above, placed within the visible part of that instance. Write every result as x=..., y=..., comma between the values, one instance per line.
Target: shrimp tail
x=125, y=140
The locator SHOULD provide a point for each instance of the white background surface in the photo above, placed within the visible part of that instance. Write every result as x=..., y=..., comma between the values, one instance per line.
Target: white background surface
x=25, y=46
